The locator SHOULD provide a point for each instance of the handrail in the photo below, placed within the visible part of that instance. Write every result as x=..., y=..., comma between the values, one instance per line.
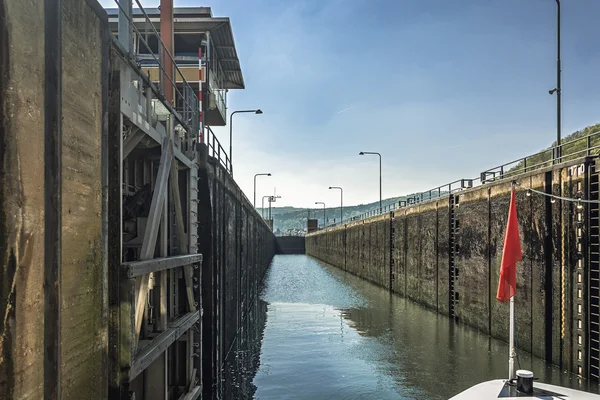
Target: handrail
x=545, y=158
x=185, y=101
x=215, y=149
x=512, y=169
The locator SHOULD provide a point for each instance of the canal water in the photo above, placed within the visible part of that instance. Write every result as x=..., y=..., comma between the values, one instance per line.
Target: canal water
x=331, y=335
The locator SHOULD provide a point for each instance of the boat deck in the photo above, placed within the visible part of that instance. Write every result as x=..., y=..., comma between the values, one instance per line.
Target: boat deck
x=499, y=389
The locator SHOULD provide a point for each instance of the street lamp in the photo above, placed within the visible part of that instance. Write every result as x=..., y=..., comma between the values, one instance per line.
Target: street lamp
x=341, y=201
x=362, y=153
x=257, y=111
x=320, y=202
x=264, y=174
x=272, y=200
x=263, y=206
x=558, y=89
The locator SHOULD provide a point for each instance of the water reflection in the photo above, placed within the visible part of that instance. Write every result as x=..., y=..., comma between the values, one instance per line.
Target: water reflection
x=242, y=362
x=330, y=335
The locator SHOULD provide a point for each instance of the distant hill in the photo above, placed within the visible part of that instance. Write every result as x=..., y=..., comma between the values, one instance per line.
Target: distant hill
x=575, y=144
x=286, y=218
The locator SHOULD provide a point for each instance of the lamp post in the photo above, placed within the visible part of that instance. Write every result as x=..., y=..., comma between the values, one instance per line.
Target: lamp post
x=263, y=206
x=362, y=153
x=257, y=111
x=341, y=201
x=320, y=202
x=263, y=174
x=272, y=200
x=558, y=89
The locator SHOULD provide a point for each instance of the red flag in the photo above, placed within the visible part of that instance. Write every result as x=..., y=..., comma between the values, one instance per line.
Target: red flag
x=510, y=255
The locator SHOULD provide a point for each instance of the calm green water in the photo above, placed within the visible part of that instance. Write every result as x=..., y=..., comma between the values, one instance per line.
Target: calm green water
x=331, y=335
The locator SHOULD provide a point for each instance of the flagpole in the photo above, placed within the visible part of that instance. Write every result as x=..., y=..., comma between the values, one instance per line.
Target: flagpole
x=511, y=357
x=511, y=344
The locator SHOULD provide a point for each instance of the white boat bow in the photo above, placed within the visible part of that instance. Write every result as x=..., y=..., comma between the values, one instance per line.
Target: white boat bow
x=498, y=389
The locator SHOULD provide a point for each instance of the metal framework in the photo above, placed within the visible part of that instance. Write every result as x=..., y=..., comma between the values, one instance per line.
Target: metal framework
x=155, y=323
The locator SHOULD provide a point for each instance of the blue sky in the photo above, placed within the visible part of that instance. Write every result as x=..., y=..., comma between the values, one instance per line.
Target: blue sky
x=443, y=89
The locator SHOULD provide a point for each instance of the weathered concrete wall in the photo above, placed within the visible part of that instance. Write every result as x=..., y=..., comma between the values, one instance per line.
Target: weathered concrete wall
x=551, y=309
x=83, y=343
x=83, y=314
x=22, y=200
x=237, y=246
x=471, y=255
x=443, y=255
x=416, y=259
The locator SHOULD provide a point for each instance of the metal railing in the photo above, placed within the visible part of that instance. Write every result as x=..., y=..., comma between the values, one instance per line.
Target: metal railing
x=567, y=151
x=220, y=102
x=215, y=149
x=371, y=213
x=185, y=104
x=573, y=149
x=431, y=194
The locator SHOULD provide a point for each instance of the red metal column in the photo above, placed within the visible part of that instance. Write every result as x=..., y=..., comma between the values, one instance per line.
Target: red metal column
x=200, y=109
x=166, y=35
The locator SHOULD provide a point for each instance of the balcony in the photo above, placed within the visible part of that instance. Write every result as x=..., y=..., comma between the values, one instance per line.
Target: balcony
x=215, y=113
x=215, y=98
x=194, y=29
x=188, y=73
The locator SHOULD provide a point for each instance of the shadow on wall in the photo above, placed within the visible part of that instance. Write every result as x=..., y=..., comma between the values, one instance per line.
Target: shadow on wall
x=242, y=364
x=237, y=246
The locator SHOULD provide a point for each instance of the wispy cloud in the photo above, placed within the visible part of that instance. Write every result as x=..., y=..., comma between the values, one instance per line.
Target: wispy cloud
x=345, y=109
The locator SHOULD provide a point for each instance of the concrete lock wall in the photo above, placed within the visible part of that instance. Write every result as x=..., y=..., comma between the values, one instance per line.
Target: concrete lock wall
x=24, y=205
x=236, y=243
x=413, y=250
x=237, y=246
